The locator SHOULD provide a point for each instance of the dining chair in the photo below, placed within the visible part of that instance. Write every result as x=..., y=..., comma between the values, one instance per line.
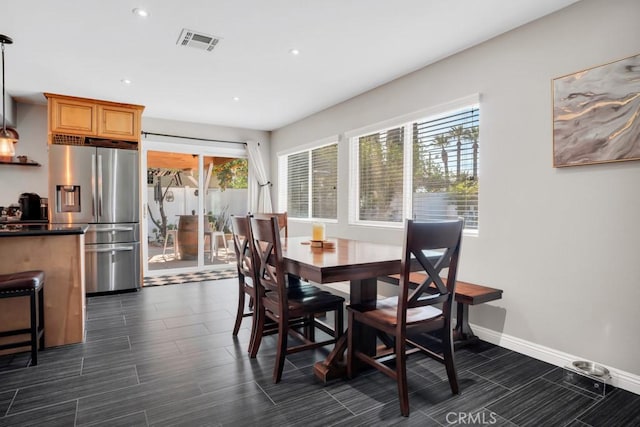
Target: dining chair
x=247, y=276
x=246, y=273
x=430, y=247
x=283, y=221
x=283, y=302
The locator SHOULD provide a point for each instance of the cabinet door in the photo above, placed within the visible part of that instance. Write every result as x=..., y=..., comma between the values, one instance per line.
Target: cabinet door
x=73, y=117
x=118, y=122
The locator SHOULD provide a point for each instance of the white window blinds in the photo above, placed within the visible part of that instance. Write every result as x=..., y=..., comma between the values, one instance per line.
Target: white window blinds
x=425, y=169
x=311, y=183
x=445, y=167
x=298, y=185
x=381, y=160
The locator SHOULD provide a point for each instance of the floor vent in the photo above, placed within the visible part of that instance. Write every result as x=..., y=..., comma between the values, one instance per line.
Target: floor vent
x=190, y=38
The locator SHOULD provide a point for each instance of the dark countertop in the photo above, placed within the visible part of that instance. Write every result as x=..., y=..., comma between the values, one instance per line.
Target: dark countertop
x=17, y=229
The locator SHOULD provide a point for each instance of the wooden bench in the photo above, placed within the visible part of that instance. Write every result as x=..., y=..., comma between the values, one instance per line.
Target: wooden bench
x=466, y=294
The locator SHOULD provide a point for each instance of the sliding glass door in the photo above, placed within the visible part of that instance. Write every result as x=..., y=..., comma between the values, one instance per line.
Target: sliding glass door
x=189, y=194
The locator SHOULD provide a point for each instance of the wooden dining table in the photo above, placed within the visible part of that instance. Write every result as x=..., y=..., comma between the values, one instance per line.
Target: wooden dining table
x=356, y=261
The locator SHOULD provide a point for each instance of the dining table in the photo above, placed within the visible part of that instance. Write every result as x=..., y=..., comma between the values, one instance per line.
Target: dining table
x=356, y=261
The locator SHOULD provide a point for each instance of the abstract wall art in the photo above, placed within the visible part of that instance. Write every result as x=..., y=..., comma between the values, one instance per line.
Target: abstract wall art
x=596, y=114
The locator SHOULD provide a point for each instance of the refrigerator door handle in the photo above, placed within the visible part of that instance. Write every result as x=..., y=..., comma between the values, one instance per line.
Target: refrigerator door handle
x=118, y=249
x=99, y=185
x=93, y=187
x=108, y=230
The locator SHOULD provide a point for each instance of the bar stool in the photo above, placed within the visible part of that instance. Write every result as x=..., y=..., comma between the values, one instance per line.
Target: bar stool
x=26, y=283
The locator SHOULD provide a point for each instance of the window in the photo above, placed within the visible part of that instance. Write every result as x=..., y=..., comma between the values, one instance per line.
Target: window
x=311, y=179
x=381, y=160
x=425, y=169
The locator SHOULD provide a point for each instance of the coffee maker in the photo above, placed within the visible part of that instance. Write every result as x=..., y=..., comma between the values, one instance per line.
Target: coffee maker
x=30, y=207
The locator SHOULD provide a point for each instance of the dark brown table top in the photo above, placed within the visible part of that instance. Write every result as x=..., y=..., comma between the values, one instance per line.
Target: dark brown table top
x=349, y=260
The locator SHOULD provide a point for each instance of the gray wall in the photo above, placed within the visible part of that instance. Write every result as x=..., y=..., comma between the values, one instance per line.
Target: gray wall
x=561, y=243
x=14, y=180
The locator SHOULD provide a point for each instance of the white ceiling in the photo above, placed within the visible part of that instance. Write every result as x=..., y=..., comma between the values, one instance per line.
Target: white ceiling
x=86, y=47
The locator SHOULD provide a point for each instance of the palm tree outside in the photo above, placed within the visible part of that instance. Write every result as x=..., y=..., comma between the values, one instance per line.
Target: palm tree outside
x=458, y=132
x=473, y=135
x=442, y=141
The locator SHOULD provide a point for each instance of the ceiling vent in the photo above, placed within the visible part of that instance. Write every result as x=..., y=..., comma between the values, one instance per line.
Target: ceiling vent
x=190, y=38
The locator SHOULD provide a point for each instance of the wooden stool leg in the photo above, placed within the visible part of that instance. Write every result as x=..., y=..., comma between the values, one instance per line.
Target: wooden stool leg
x=33, y=300
x=41, y=316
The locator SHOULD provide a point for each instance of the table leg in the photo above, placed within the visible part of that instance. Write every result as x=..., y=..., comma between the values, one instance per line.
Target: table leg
x=361, y=291
x=462, y=333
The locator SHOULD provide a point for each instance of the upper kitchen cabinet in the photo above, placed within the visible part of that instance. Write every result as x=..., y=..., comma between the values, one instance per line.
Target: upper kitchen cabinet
x=72, y=116
x=119, y=122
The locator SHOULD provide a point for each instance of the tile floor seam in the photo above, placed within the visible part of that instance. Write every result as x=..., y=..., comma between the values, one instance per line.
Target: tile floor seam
x=584, y=393
x=75, y=417
x=523, y=411
x=265, y=393
x=41, y=407
x=341, y=404
x=539, y=377
x=15, y=393
x=135, y=368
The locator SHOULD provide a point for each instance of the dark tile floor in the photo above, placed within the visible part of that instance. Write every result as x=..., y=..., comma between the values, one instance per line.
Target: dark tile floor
x=165, y=356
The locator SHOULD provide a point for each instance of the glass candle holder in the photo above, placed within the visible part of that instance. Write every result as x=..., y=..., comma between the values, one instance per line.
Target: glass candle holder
x=317, y=231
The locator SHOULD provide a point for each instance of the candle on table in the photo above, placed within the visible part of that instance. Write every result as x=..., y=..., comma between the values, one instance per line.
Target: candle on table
x=317, y=231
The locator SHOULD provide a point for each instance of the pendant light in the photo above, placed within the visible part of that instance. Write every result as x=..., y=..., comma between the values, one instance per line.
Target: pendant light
x=8, y=136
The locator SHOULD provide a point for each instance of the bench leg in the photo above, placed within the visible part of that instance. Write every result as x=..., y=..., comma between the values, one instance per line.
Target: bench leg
x=462, y=333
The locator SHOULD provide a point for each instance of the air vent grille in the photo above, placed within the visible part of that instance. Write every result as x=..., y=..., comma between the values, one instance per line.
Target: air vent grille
x=197, y=40
x=62, y=139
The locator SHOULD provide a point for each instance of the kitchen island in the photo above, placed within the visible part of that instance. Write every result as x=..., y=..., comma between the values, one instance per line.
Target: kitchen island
x=59, y=252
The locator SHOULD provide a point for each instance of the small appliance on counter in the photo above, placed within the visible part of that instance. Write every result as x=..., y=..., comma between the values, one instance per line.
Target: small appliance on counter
x=30, y=207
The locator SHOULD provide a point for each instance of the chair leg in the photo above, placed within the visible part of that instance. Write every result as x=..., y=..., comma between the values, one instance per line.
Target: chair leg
x=33, y=298
x=281, y=353
x=449, y=362
x=257, y=330
x=310, y=328
x=254, y=334
x=339, y=324
x=240, y=311
x=350, y=349
x=339, y=328
x=401, y=376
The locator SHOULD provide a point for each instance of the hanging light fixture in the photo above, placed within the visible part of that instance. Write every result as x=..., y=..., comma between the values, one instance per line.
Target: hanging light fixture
x=8, y=136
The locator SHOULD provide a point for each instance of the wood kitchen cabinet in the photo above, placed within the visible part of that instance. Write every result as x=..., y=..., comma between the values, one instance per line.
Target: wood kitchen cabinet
x=118, y=122
x=70, y=115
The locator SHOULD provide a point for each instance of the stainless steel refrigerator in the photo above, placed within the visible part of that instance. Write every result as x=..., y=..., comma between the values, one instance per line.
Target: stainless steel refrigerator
x=100, y=187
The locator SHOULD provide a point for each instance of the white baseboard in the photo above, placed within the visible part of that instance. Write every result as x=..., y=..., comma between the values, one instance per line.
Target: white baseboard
x=619, y=378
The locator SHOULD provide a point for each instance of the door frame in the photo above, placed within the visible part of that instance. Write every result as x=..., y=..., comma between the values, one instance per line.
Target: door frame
x=201, y=149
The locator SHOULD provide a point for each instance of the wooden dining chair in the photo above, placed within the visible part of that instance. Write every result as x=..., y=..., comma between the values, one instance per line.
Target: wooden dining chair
x=283, y=302
x=430, y=247
x=283, y=220
x=246, y=273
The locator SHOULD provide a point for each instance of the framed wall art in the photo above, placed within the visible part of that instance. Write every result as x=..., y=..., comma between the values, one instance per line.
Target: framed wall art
x=596, y=114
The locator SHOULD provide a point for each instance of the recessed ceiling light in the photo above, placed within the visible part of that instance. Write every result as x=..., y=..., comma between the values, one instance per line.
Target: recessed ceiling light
x=125, y=81
x=294, y=52
x=236, y=98
x=140, y=12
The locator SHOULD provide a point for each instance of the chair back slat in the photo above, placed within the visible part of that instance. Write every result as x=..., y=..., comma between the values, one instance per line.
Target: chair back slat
x=430, y=247
x=268, y=257
x=242, y=244
x=283, y=226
